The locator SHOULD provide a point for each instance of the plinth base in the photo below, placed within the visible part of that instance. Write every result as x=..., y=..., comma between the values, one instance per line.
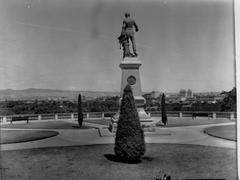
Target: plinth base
x=148, y=124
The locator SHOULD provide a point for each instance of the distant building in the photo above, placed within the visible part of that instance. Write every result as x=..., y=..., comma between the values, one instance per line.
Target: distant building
x=209, y=97
x=183, y=98
x=189, y=93
x=155, y=94
x=183, y=93
x=219, y=98
x=152, y=95
x=172, y=99
x=206, y=99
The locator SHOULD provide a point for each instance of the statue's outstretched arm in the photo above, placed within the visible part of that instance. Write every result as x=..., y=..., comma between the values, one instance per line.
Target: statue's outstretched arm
x=136, y=26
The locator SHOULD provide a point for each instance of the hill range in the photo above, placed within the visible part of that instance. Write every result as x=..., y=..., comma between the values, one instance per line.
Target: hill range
x=42, y=94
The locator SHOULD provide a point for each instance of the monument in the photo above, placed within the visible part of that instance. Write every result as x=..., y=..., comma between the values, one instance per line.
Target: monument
x=130, y=65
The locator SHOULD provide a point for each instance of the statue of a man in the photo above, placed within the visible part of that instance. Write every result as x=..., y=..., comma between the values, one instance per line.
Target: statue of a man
x=128, y=33
x=124, y=43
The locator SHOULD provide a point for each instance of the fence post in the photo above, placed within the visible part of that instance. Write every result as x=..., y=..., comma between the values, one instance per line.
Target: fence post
x=87, y=115
x=180, y=114
x=56, y=116
x=72, y=116
x=103, y=115
x=39, y=117
x=231, y=116
x=4, y=119
x=214, y=115
x=149, y=114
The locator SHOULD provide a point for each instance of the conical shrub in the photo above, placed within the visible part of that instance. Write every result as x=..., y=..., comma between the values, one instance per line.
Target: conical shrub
x=163, y=109
x=129, y=141
x=80, y=114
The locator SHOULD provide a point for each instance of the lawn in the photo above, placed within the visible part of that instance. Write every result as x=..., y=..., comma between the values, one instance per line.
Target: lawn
x=226, y=132
x=176, y=122
x=17, y=136
x=90, y=162
x=58, y=124
x=99, y=121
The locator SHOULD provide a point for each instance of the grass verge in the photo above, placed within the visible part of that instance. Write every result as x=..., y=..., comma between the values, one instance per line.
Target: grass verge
x=17, y=136
x=58, y=124
x=225, y=132
x=90, y=162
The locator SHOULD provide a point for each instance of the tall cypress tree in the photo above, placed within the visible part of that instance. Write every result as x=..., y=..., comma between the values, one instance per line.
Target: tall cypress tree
x=80, y=114
x=163, y=109
x=129, y=141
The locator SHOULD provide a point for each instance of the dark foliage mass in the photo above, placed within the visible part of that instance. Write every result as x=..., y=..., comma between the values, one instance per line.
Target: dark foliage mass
x=129, y=141
x=199, y=106
x=101, y=104
x=163, y=109
x=51, y=106
x=37, y=107
x=80, y=113
x=230, y=101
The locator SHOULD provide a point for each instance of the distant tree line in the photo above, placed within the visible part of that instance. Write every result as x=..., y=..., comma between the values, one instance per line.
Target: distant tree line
x=229, y=103
x=45, y=107
x=101, y=105
x=37, y=107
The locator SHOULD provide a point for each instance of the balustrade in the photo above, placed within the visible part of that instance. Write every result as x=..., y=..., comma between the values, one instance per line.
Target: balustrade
x=102, y=115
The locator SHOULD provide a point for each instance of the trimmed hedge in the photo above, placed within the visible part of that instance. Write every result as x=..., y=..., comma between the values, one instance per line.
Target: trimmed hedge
x=163, y=109
x=80, y=113
x=129, y=141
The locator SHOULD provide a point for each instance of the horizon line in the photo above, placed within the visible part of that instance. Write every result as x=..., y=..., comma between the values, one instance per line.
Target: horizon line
x=107, y=91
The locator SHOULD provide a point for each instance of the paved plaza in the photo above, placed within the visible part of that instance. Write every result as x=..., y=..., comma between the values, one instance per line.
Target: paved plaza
x=100, y=134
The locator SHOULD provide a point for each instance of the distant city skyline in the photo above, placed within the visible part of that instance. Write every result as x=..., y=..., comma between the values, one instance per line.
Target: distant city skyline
x=72, y=45
x=48, y=94
x=79, y=90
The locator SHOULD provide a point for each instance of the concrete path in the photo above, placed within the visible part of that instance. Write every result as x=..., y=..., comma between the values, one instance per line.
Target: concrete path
x=71, y=137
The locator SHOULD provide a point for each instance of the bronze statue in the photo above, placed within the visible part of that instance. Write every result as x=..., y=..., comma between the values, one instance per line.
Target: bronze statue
x=126, y=34
x=124, y=43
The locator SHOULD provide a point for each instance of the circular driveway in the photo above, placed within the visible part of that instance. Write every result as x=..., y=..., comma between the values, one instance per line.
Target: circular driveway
x=180, y=135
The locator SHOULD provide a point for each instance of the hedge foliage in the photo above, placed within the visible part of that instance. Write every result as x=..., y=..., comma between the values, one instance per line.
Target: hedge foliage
x=129, y=141
x=80, y=113
x=163, y=109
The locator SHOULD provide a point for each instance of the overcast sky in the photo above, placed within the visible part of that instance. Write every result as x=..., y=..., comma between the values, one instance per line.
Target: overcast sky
x=72, y=44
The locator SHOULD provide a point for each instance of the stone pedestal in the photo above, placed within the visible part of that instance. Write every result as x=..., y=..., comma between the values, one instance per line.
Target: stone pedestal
x=131, y=75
